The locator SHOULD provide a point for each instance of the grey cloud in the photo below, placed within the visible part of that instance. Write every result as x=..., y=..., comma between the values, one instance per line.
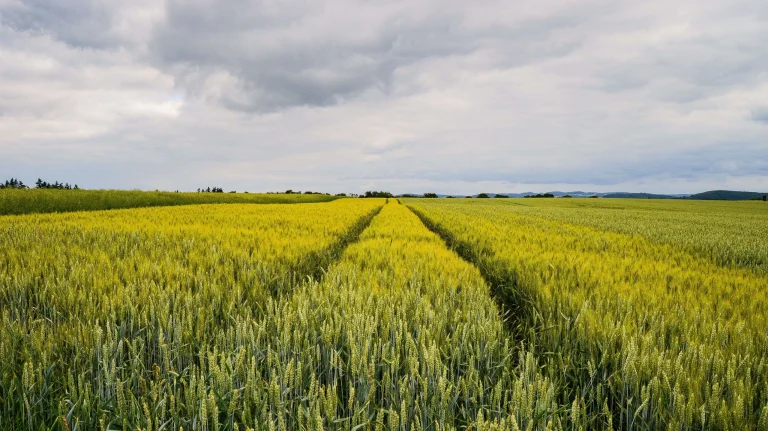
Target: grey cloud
x=725, y=159
x=79, y=23
x=679, y=74
x=760, y=114
x=275, y=59
x=697, y=59
x=278, y=74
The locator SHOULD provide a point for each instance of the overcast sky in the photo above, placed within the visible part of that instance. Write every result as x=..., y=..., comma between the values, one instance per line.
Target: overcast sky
x=406, y=96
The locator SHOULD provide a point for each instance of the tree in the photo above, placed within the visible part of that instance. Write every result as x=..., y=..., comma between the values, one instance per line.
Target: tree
x=13, y=183
x=483, y=195
x=430, y=195
x=40, y=184
x=501, y=196
x=377, y=194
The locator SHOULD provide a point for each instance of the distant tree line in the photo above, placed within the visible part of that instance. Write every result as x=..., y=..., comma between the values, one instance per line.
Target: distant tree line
x=15, y=183
x=40, y=184
x=292, y=192
x=377, y=194
x=541, y=195
x=299, y=192
x=425, y=195
x=211, y=190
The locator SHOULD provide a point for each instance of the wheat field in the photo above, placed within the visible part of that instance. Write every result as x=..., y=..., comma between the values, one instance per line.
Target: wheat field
x=387, y=314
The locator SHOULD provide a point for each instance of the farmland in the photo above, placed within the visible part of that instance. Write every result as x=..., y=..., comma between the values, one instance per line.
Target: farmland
x=730, y=233
x=658, y=329
x=357, y=314
x=15, y=201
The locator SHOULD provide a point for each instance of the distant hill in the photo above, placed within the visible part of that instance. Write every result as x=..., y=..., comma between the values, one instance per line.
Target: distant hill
x=577, y=194
x=720, y=195
x=727, y=195
x=724, y=195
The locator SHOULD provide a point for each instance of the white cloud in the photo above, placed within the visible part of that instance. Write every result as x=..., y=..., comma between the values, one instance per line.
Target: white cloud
x=410, y=96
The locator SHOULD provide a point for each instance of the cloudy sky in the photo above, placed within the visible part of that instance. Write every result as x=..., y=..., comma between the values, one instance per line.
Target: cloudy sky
x=406, y=96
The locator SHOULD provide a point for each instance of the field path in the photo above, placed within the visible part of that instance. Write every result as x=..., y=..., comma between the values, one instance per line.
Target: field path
x=513, y=304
